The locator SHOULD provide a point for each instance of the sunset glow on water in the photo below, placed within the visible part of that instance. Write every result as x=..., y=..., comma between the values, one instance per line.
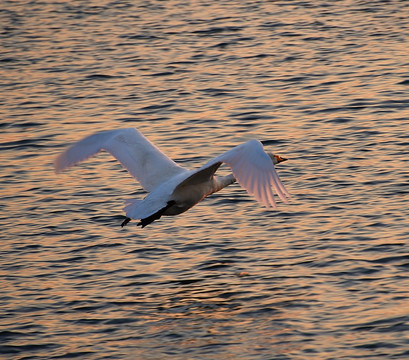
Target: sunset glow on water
x=324, y=84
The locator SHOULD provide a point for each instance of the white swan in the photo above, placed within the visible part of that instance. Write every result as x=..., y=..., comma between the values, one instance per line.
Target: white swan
x=173, y=189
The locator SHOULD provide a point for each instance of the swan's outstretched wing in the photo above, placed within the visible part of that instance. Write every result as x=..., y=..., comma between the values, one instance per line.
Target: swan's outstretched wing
x=254, y=170
x=145, y=162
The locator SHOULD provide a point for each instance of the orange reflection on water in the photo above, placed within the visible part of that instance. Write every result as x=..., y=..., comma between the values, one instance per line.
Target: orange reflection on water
x=323, y=275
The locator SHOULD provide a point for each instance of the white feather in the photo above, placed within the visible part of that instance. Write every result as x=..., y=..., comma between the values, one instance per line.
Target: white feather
x=254, y=170
x=144, y=161
x=168, y=182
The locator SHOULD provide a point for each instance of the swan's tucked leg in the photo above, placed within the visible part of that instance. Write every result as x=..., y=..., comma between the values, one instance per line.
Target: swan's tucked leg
x=156, y=215
x=126, y=221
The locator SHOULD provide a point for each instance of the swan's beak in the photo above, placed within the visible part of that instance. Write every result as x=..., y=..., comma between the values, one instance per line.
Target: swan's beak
x=280, y=159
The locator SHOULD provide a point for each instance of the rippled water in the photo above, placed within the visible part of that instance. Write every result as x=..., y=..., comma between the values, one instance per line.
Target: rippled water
x=324, y=83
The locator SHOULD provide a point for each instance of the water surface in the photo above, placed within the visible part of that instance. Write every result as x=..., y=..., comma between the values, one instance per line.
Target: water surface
x=323, y=83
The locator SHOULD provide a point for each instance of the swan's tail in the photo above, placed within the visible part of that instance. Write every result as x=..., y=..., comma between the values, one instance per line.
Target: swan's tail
x=140, y=209
x=136, y=210
x=131, y=204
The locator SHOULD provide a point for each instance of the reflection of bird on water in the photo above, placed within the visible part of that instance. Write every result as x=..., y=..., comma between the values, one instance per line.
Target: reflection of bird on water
x=173, y=189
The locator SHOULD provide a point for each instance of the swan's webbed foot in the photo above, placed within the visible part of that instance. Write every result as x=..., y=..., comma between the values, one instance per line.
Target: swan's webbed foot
x=126, y=221
x=148, y=220
x=156, y=216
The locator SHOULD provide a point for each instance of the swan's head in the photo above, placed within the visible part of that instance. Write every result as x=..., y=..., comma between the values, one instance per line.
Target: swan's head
x=276, y=158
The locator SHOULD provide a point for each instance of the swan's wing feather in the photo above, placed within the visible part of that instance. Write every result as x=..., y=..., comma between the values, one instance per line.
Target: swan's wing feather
x=200, y=176
x=254, y=170
x=144, y=161
x=80, y=151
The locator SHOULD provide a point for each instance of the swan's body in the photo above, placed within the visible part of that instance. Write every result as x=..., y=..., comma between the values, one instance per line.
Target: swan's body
x=172, y=188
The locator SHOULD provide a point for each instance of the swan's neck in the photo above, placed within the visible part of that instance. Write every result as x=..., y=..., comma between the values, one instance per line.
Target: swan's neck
x=223, y=181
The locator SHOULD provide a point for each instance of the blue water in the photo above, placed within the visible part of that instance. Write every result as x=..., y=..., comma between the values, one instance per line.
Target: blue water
x=324, y=84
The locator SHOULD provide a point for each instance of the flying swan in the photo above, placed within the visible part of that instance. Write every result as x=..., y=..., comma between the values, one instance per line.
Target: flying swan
x=172, y=188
